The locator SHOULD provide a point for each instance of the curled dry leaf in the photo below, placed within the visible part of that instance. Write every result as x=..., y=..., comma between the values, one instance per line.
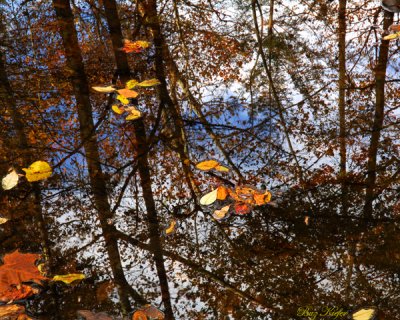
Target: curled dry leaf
x=17, y=292
x=209, y=198
x=10, y=180
x=108, y=89
x=222, y=213
x=171, y=228
x=153, y=312
x=133, y=115
x=242, y=208
x=134, y=46
x=69, y=278
x=39, y=170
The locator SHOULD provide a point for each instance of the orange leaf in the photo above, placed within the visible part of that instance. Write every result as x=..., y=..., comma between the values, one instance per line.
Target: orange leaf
x=221, y=214
x=222, y=193
x=207, y=165
x=139, y=315
x=242, y=208
x=17, y=293
x=11, y=310
x=134, y=46
x=262, y=198
x=127, y=93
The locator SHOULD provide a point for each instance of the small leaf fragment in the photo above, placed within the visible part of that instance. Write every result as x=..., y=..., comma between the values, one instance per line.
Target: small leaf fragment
x=149, y=83
x=222, y=168
x=209, y=198
x=127, y=93
x=39, y=170
x=122, y=99
x=108, y=89
x=135, y=114
x=3, y=220
x=88, y=315
x=69, y=278
x=171, y=228
x=134, y=46
x=242, y=208
x=117, y=109
x=222, y=213
x=10, y=180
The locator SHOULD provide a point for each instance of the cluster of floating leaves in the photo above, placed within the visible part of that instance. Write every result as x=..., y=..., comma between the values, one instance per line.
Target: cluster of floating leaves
x=20, y=278
x=124, y=94
x=239, y=200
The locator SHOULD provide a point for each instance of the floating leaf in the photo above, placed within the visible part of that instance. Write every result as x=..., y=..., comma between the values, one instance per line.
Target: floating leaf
x=11, y=311
x=222, y=168
x=222, y=193
x=262, y=198
x=108, y=89
x=69, y=278
x=392, y=36
x=131, y=84
x=209, y=198
x=211, y=164
x=222, y=213
x=103, y=290
x=38, y=170
x=207, y=165
x=10, y=180
x=306, y=220
x=17, y=292
x=153, y=312
x=242, y=208
x=139, y=315
x=122, y=99
x=3, y=220
x=117, y=109
x=135, y=114
x=364, y=314
x=128, y=93
x=17, y=268
x=149, y=83
x=88, y=315
x=134, y=46
x=171, y=228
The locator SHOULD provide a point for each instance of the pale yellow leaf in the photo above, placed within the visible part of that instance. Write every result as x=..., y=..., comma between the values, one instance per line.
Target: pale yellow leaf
x=10, y=180
x=149, y=83
x=68, y=278
x=364, y=314
x=3, y=220
x=209, y=198
x=38, y=170
x=108, y=89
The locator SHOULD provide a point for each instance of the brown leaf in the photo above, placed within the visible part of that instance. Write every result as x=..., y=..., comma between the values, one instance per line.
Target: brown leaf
x=88, y=315
x=17, y=293
x=103, y=290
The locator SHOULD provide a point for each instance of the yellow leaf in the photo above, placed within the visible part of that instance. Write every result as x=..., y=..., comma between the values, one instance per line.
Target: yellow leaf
x=209, y=198
x=207, y=165
x=3, y=220
x=10, y=180
x=149, y=83
x=117, y=109
x=364, y=314
x=135, y=114
x=131, y=84
x=392, y=36
x=222, y=168
x=171, y=228
x=108, y=89
x=122, y=99
x=68, y=278
x=128, y=93
x=220, y=214
x=38, y=170
x=262, y=198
